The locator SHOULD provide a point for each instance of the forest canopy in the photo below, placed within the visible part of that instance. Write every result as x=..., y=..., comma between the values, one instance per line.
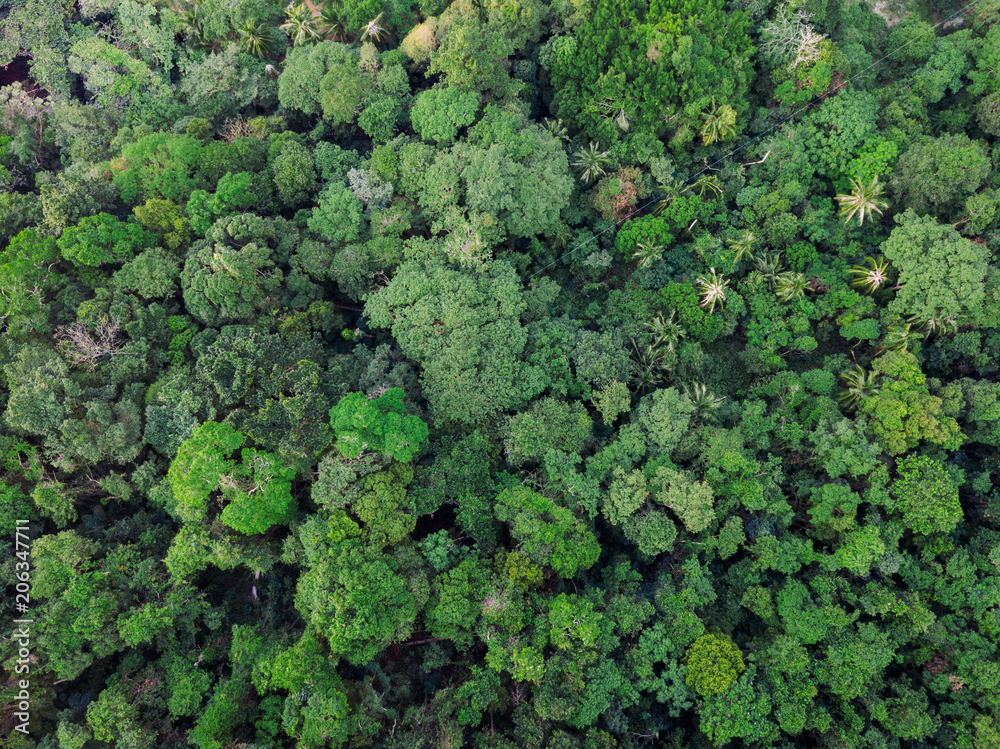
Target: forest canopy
x=500, y=373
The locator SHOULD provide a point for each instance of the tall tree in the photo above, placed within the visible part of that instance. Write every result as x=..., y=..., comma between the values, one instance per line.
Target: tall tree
x=942, y=274
x=377, y=425
x=464, y=329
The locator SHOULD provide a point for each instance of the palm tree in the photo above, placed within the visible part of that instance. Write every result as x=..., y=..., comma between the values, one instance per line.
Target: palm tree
x=742, y=246
x=332, y=23
x=647, y=254
x=858, y=385
x=256, y=39
x=562, y=236
x=704, y=400
x=900, y=334
x=374, y=29
x=616, y=109
x=790, y=286
x=669, y=190
x=932, y=326
x=870, y=275
x=712, y=289
x=190, y=18
x=667, y=332
x=863, y=198
x=708, y=183
x=590, y=162
x=300, y=24
x=556, y=129
x=768, y=265
x=650, y=367
x=718, y=123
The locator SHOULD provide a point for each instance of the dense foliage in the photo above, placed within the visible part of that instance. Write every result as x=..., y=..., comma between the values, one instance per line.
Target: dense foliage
x=436, y=373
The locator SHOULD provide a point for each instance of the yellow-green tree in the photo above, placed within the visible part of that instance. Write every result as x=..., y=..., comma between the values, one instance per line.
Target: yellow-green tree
x=903, y=412
x=713, y=663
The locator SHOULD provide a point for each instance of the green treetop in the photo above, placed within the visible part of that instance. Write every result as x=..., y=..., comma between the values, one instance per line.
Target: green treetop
x=633, y=66
x=439, y=113
x=936, y=174
x=257, y=491
x=357, y=601
x=102, y=239
x=942, y=274
x=378, y=424
x=549, y=534
x=464, y=329
x=926, y=494
x=235, y=272
x=903, y=412
x=28, y=280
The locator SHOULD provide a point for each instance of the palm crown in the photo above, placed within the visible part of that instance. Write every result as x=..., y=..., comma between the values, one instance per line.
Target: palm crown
x=713, y=290
x=647, y=253
x=862, y=200
x=742, y=246
x=858, y=385
x=708, y=183
x=255, y=38
x=666, y=331
x=332, y=23
x=590, y=162
x=790, y=286
x=870, y=275
x=718, y=123
x=300, y=25
x=374, y=29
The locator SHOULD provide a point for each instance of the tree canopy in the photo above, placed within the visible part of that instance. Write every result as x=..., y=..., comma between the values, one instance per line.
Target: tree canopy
x=557, y=374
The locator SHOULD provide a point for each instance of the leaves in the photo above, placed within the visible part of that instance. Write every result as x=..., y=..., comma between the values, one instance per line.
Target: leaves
x=357, y=601
x=926, y=495
x=464, y=329
x=713, y=664
x=903, y=412
x=380, y=406
x=267, y=499
x=548, y=424
x=864, y=198
x=718, y=123
x=634, y=55
x=103, y=239
x=712, y=289
x=199, y=466
x=438, y=114
x=257, y=492
x=233, y=275
x=161, y=165
x=941, y=273
x=548, y=534
x=362, y=424
x=937, y=174
x=338, y=218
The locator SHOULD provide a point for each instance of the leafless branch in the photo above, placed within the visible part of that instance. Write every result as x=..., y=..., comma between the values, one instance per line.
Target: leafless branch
x=85, y=348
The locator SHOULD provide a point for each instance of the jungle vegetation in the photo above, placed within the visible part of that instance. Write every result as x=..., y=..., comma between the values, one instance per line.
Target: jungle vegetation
x=506, y=374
